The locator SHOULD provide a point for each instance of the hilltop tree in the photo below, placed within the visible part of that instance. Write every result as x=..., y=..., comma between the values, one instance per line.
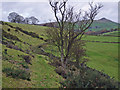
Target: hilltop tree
x=65, y=36
x=26, y=21
x=19, y=19
x=33, y=20
x=15, y=17
x=12, y=17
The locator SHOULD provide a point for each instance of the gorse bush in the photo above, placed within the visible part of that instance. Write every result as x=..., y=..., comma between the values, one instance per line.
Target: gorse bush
x=17, y=73
x=88, y=78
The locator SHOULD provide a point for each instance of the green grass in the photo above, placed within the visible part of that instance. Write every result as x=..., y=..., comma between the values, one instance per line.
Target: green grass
x=42, y=74
x=31, y=28
x=22, y=36
x=8, y=82
x=103, y=57
x=114, y=33
x=102, y=26
x=101, y=38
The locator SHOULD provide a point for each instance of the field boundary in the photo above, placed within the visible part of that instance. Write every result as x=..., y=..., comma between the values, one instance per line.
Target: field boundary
x=101, y=41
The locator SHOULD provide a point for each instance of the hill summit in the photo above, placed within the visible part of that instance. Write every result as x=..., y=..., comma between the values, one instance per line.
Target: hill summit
x=105, y=20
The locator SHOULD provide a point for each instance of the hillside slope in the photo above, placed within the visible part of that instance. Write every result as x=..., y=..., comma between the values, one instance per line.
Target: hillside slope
x=21, y=41
x=102, y=24
x=22, y=68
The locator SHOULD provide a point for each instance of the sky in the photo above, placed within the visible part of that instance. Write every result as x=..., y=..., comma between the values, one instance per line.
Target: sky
x=42, y=10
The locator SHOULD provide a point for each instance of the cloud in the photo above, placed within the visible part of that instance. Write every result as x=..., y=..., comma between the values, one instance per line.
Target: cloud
x=69, y=0
x=43, y=11
x=0, y=11
x=109, y=10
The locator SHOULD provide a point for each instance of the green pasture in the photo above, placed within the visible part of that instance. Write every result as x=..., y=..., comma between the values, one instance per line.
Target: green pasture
x=102, y=56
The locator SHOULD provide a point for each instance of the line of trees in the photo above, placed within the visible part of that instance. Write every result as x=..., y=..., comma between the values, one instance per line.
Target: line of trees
x=16, y=18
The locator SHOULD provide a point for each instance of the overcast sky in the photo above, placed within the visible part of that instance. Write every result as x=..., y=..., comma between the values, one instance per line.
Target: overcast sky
x=43, y=12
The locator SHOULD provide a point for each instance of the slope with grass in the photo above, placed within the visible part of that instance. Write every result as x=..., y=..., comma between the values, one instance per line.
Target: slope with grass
x=102, y=24
x=114, y=33
x=101, y=38
x=102, y=53
x=26, y=41
x=103, y=57
x=16, y=47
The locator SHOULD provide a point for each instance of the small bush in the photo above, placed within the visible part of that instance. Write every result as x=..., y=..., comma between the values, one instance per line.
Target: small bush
x=8, y=29
x=1, y=22
x=6, y=56
x=27, y=58
x=61, y=71
x=41, y=38
x=22, y=74
x=13, y=47
x=56, y=63
x=24, y=65
x=5, y=51
x=16, y=30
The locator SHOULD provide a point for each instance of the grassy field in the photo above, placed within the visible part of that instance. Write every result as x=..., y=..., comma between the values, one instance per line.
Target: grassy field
x=102, y=56
x=114, y=33
x=101, y=38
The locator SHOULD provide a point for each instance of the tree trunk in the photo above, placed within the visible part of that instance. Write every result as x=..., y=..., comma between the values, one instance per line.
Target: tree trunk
x=77, y=62
x=62, y=57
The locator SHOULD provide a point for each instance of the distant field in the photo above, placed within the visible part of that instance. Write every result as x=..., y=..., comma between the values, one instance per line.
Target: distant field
x=114, y=33
x=103, y=57
x=101, y=38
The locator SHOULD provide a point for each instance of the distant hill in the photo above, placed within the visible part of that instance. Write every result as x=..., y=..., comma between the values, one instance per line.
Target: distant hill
x=98, y=25
x=103, y=24
x=105, y=20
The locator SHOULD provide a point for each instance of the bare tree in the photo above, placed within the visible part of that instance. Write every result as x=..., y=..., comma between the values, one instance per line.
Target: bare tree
x=66, y=35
